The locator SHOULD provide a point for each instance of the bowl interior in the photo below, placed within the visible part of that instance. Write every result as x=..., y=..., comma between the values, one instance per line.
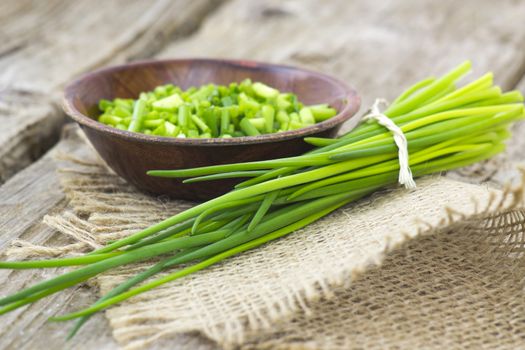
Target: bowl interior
x=130, y=80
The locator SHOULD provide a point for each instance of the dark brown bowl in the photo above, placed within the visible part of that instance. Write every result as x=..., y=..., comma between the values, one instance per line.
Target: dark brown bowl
x=131, y=154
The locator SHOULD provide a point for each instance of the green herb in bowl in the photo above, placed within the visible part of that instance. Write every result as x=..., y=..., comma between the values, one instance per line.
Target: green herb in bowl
x=239, y=109
x=446, y=127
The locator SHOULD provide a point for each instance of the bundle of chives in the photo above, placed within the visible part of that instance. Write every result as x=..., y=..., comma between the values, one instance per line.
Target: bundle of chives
x=446, y=128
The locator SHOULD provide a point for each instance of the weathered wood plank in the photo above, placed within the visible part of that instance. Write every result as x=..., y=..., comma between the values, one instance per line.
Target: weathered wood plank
x=377, y=47
x=45, y=44
x=70, y=37
x=30, y=124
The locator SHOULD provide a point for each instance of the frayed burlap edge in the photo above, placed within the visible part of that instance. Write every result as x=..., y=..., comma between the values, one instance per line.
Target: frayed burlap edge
x=116, y=210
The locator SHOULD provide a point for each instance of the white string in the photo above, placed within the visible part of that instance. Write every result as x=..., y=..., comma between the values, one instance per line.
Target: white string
x=405, y=174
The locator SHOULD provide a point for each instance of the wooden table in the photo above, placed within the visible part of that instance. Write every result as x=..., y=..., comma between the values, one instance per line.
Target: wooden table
x=379, y=47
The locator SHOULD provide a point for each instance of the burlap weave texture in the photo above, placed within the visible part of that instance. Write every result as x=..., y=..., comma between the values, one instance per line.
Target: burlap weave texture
x=437, y=267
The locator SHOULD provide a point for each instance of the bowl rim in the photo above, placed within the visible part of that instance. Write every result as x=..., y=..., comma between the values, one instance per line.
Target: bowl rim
x=349, y=110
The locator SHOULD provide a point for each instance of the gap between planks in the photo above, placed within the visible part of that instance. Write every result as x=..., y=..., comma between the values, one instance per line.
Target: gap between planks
x=46, y=44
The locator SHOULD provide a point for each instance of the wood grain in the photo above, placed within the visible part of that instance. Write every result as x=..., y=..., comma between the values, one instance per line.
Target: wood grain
x=377, y=46
x=30, y=125
x=44, y=44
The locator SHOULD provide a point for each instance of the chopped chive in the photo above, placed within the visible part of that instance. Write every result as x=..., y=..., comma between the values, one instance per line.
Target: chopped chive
x=139, y=111
x=248, y=128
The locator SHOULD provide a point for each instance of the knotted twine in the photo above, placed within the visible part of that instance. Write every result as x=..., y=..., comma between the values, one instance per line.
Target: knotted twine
x=405, y=174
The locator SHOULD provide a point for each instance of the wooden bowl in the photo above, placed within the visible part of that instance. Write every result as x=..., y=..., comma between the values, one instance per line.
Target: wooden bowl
x=130, y=154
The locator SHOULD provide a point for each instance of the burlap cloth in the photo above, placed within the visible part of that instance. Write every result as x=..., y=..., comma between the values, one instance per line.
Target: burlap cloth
x=437, y=267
